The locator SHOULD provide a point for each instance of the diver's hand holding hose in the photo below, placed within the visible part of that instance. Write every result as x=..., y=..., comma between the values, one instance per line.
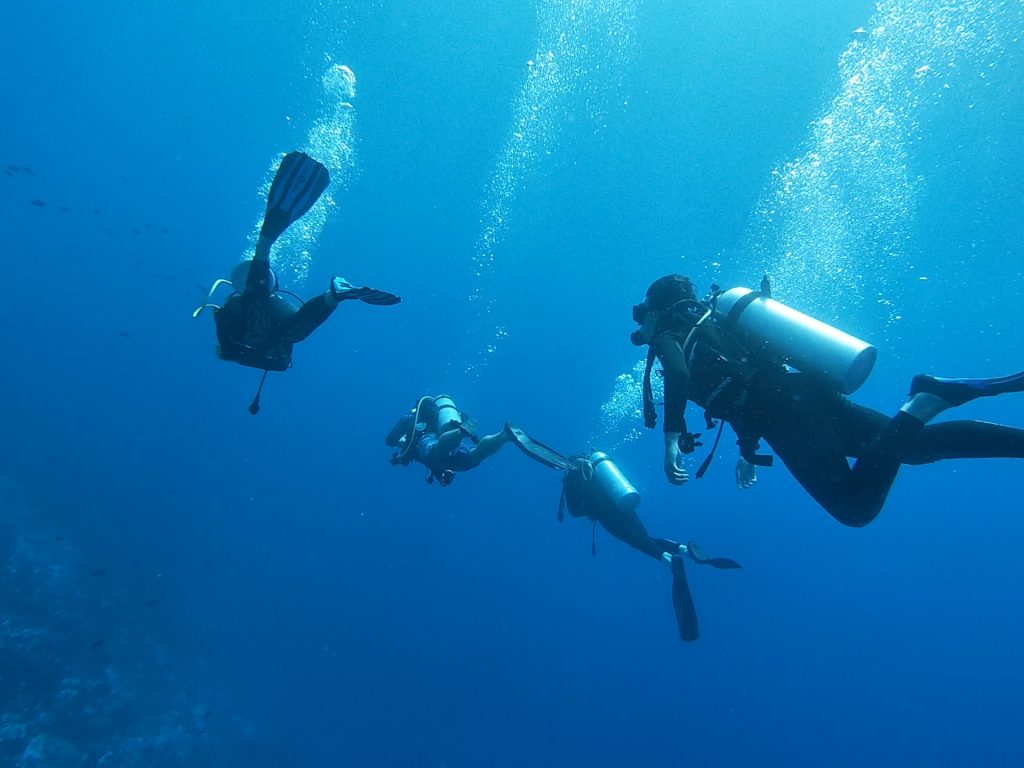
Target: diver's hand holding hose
x=746, y=474
x=673, y=470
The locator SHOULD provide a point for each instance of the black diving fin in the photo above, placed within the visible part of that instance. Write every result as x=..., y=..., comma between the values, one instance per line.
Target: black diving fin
x=297, y=185
x=537, y=451
x=343, y=290
x=960, y=391
x=697, y=555
x=682, y=601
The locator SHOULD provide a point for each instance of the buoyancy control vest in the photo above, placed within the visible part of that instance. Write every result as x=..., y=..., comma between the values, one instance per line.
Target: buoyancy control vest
x=718, y=364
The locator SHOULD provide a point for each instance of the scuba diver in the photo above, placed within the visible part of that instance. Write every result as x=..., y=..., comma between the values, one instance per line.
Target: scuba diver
x=442, y=438
x=776, y=374
x=257, y=326
x=595, y=488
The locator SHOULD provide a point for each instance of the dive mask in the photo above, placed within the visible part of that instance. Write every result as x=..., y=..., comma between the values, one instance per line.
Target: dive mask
x=648, y=321
x=640, y=312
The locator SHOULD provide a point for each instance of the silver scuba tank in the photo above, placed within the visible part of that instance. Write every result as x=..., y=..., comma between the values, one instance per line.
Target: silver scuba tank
x=612, y=484
x=448, y=415
x=804, y=343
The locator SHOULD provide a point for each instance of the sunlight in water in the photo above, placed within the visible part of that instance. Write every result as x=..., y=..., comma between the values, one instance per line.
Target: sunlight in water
x=581, y=50
x=841, y=211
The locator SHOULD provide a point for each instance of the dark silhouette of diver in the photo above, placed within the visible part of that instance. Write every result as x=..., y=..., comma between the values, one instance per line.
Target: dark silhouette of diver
x=438, y=435
x=733, y=355
x=595, y=488
x=257, y=326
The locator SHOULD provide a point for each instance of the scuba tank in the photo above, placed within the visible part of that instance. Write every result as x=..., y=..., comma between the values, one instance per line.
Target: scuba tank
x=765, y=325
x=448, y=415
x=612, y=484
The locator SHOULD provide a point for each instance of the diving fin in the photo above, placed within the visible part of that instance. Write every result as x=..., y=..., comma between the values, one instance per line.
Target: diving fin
x=682, y=601
x=539, y=452
x=343, y=290
x=297, y=185
x=697, y=555
x=960, y=391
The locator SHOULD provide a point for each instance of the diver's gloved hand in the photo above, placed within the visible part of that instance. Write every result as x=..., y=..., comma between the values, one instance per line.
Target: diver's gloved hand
x=342, y=289
x=746, y=474
x=674, y=471
x=688, y=442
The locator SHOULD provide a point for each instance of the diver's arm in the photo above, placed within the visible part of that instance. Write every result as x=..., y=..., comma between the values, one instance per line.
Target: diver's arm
x=746, y=464
x=674, y=471
x=677, y=385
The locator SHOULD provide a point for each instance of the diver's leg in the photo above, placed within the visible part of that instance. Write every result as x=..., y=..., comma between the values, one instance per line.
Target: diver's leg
x=908, y=437
x=446, y=443
x=308, y=318
x=487, y=447
x=262, y=252
x=255, y=300
x=965, y=440
x=856, y=496
x=934, y=442
x=820, y=466
x=627, y=527
x=258, y=282
x=814, y=444
x=315, y=311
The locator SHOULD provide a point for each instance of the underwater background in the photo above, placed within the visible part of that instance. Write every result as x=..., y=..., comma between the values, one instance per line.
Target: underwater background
x=184, y=584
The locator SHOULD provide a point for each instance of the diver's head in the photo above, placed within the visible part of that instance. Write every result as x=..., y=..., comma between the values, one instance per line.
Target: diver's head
x=669, y=290
x=240, y=274
x=663, y=294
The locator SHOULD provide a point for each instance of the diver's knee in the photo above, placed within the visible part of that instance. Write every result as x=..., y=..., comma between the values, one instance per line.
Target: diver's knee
x=854, y=516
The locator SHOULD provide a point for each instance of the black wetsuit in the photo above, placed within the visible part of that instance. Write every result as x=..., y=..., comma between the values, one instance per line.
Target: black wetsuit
x=624, y=525
x=814, y=430
x=259, y=328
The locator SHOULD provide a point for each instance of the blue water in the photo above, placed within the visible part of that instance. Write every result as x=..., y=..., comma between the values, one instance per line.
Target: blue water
x=184, y=584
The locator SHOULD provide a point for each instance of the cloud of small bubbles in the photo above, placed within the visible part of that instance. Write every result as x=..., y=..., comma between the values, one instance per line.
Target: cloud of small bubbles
x=840, y=214
x=331, y=140
x=622, y=415
x=580, y=56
